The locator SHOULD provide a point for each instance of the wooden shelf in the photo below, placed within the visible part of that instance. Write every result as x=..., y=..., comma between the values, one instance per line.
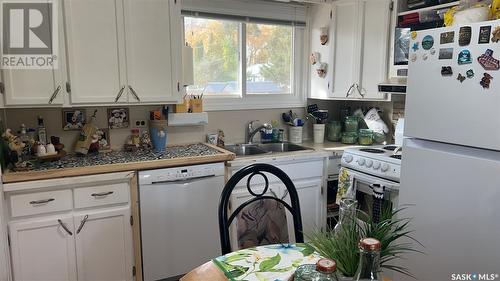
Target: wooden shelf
x=436, y=7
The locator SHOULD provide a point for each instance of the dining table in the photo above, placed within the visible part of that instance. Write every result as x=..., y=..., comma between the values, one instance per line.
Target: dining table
x=269, y=262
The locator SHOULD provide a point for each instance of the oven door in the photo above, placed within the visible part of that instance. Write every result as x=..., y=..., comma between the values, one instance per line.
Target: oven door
x=374, y=195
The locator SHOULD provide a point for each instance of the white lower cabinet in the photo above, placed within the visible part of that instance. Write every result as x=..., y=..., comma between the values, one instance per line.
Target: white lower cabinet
x=42, y=249
x=104, y=245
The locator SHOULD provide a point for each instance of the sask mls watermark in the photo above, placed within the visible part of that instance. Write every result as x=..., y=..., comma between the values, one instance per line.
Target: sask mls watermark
x=29, y=34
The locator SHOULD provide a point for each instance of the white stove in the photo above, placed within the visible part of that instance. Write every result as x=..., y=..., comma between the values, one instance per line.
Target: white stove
x=379, y=161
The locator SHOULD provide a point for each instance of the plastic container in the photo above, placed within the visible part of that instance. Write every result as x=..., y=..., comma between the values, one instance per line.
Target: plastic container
x=319, y=133
x=295, y=134
x=351, y=124
x=365, y=137
x=158, y=131
x=349, y=137
x=334, y=131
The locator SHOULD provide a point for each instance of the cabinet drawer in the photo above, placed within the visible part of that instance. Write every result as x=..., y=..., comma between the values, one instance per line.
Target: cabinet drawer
x=101, y=195
x=40, y=203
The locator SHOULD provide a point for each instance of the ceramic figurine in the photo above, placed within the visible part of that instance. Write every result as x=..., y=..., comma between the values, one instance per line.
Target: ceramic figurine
x=145, y=140
x=15, y=145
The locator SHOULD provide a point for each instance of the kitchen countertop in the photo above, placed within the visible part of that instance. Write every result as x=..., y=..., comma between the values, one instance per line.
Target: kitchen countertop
x=118, y=161
x=337, y=147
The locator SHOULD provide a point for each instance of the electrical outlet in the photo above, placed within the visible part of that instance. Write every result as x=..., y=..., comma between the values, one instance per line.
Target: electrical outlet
x=140, y=123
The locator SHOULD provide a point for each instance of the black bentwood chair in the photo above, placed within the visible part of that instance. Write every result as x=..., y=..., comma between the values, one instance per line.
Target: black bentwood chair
x=225, y=219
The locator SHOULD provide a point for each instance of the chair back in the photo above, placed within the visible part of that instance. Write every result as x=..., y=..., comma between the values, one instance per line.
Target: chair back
x=225, y=219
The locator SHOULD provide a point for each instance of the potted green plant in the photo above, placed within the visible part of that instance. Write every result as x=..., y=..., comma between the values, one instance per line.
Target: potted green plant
x=342, y=244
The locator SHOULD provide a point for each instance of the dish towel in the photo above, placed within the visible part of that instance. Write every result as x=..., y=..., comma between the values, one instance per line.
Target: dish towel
x=272, y=262
x=346, y=185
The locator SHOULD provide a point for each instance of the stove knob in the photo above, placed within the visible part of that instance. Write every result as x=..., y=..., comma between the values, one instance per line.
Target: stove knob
x=361, y=161
x=348, y=158
x=384, y=167
x=369, y=163
x=376, y=165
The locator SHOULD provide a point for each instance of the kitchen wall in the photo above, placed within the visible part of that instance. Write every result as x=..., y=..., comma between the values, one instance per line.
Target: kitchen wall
x=233, y=123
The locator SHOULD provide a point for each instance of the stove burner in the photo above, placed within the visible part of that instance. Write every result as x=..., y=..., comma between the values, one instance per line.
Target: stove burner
x=396, y=156
x=390, y=147
x=372, y=150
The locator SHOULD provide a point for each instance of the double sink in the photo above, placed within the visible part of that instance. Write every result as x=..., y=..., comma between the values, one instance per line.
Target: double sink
x=263, y=148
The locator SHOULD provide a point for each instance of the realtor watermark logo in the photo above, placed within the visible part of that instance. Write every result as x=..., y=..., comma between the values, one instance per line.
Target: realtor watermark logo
x=29, y=34
x=475, y=276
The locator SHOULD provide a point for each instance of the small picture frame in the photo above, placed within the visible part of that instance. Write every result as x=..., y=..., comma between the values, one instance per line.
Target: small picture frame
x=118, y=118
x=104, y=140
x=73, y=119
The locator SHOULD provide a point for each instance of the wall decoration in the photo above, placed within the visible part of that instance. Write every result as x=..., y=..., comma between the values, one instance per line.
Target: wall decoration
x=486, y=80
x=495, y=35
x=314, y=58
x=446, y=54
x=413, y=57
x=460, y=78
x=432, y=51
x=415, y=46
x=425, y=56
x=118, y=118
x=103, y=139
x=447, y=37
x=322, y=69
x=470, y=73
x=488, y=62
x=73, y=119
x=427, y=42
x=446, y=71
x=464, y=35
x=484, y=34
x=323, y=35
x=464, y=57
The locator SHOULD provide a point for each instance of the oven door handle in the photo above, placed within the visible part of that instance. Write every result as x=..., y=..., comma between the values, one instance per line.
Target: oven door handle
x=369, y=180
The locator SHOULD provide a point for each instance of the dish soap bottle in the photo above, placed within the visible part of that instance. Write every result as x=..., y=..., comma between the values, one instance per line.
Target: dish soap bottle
x=42, y=132
x=369, y=260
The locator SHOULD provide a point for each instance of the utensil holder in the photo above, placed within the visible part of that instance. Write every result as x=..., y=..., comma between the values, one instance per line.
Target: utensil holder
x=183, y=107
x=158, y=131
x=319, y=133
x=295, y=134
x=196, y=105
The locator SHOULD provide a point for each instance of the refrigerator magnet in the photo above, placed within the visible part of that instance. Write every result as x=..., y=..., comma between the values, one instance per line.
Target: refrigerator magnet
x=413, y=57
x=464, y=35
x=321, y=70
x=425, y=56
x=314, y=58
x=415, y=46
x=413, y=35
x=469, y=73
x=484, y=34
x=464, y=57
x=461, y=78
x=447, y=37
x=323, y=35
x=486, y=80
x=432, y=51
x=487, y=61
x=427, y=42
x=446, y=71
x=496, y=35
x=446, y=54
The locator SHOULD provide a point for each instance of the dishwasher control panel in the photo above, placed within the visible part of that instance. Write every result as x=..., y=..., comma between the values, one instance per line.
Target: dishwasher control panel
x=181, y=173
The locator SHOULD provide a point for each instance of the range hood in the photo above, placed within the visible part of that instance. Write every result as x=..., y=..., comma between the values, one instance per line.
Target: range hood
x=393, y=86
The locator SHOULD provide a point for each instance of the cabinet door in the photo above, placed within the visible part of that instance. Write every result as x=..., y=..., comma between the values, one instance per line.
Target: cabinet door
x=104, y=245
x=375, y=46
x=95, y=50
x=345, y=68
x=42, y=250
x=311, y=205
x=149, y=47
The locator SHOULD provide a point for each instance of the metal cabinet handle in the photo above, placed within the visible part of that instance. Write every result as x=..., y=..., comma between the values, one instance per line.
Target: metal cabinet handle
x=65, y=227
x=102, y=194
x=119, y=95
x=349, y=91
x=82, y=223
x=134, y=93
x=43, y=201
x=360, y=91
x=54, y=94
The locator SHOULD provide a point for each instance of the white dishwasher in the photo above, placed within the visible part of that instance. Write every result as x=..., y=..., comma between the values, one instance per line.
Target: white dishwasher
x=179, y=222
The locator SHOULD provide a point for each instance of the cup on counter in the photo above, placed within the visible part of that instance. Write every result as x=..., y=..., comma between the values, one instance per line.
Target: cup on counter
x=158, y=131
x=41, y=150
x=319, y=133
x=295, y=134
x=51, y=150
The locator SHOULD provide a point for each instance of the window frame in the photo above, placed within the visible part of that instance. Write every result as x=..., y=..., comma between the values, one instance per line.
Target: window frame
x=244, y=100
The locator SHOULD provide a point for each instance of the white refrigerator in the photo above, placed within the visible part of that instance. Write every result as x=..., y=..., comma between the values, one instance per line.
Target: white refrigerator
x=451, y=158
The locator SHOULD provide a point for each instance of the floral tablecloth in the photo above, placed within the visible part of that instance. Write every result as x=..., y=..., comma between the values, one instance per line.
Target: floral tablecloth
x=272, y=262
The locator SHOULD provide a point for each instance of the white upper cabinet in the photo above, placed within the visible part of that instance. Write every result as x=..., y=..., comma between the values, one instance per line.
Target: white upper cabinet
x=358, y=49
x=96, y=50
x=150, y=49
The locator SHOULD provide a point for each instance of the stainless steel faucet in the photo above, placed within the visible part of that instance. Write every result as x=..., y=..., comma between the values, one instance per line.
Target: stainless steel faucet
x=250, y=132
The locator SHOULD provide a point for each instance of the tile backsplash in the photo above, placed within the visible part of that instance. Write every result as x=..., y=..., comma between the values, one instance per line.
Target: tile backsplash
x=233, y=123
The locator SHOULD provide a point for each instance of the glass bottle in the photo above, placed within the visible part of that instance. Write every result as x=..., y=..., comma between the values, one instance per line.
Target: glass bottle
x=347, y=211
x=369, y=260
x=323, y=270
